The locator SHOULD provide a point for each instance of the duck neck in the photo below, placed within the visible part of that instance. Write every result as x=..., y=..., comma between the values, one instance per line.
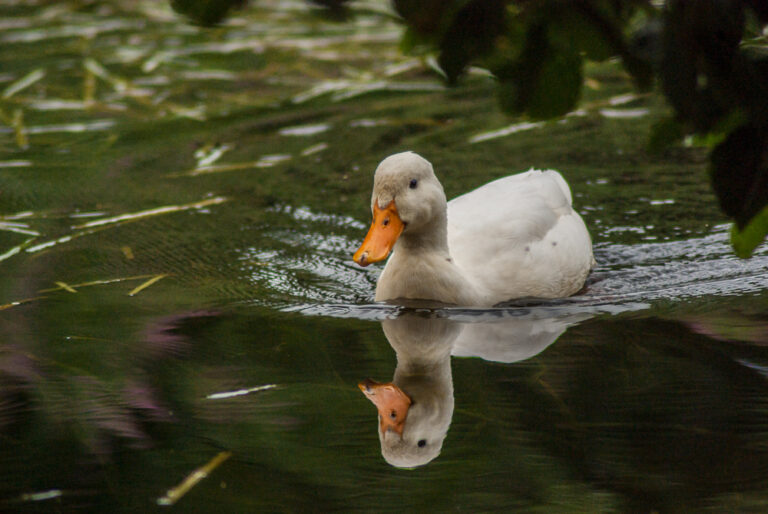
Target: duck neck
x=429, y=238
x=421, y=268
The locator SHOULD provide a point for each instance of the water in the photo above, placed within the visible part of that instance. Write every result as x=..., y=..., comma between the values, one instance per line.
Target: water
x=178, y=208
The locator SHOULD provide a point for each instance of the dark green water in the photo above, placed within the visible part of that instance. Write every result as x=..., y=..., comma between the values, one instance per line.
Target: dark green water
x=228, y=172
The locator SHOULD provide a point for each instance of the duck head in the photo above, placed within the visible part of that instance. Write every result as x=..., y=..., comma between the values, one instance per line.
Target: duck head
x=407, y=198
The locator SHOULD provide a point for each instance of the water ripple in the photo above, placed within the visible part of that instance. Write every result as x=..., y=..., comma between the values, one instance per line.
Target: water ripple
x=307, y=268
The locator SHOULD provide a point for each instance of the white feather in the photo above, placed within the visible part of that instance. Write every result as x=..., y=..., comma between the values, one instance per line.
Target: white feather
x=515, y=237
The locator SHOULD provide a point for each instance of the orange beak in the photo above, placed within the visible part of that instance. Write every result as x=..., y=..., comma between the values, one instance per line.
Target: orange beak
x=385, y=229
x=391, y=401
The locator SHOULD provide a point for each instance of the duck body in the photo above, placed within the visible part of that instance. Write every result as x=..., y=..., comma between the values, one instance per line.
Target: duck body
x=519, y=236
x=515, y=237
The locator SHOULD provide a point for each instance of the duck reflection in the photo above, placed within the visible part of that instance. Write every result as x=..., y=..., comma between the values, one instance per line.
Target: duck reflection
x=416, y=408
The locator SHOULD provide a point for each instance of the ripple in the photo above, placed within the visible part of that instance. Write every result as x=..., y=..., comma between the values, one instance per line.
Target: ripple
x=306, y=268
x=678, y=269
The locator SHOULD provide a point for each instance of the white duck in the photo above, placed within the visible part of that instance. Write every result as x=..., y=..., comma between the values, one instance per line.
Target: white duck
x=515, y=237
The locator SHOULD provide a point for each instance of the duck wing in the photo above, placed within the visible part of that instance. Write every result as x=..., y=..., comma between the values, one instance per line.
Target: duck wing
x=519, y=236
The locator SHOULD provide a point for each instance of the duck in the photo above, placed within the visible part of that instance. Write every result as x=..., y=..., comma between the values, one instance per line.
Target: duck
x=515, y=237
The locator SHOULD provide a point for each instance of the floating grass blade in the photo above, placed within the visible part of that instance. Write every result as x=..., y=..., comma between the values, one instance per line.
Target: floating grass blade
x=96, y=225
x=506, y=131
x=314, y=149
x=10, y=253
x=23, y=83
x=120, y=85
x=146, y=284
x=239, y=392
x=18, y=128
x=72, y=128
x=20, y=302
x=89, y=86
x=151, y=212
x=41, y=496
x=19, y=228
x=210, y=154
x=16, y=249
x=99, y=282
x=48, y=244
x=175, y=494
x=66, y=286
x=267, y=161
x=20, y=163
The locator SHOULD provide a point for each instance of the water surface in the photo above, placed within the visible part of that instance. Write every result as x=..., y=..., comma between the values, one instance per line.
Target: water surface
x=178, y=208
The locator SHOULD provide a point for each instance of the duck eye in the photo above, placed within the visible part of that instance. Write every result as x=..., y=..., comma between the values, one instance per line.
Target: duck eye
x=422, y=443
x=413, y=183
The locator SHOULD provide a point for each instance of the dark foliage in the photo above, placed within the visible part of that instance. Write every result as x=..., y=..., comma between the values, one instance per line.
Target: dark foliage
x=716, y=83
x=718, y=86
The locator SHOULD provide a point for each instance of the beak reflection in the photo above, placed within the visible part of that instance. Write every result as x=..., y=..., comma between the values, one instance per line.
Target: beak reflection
x=391, y=402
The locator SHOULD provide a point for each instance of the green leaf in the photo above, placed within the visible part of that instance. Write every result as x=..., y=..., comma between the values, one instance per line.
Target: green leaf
x=586, y=35
x=739, y=173
x=472, y=34
x=745, y=241
x=721, y=130
x=545, y=82
x=559, y=85
x=664, y=134
x=409, y=41
x=699, y=69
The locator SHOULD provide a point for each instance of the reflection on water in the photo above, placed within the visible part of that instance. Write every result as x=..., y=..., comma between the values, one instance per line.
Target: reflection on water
x=423, y=374
x=653, y=396
x=579, y=420
x=412, y=432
